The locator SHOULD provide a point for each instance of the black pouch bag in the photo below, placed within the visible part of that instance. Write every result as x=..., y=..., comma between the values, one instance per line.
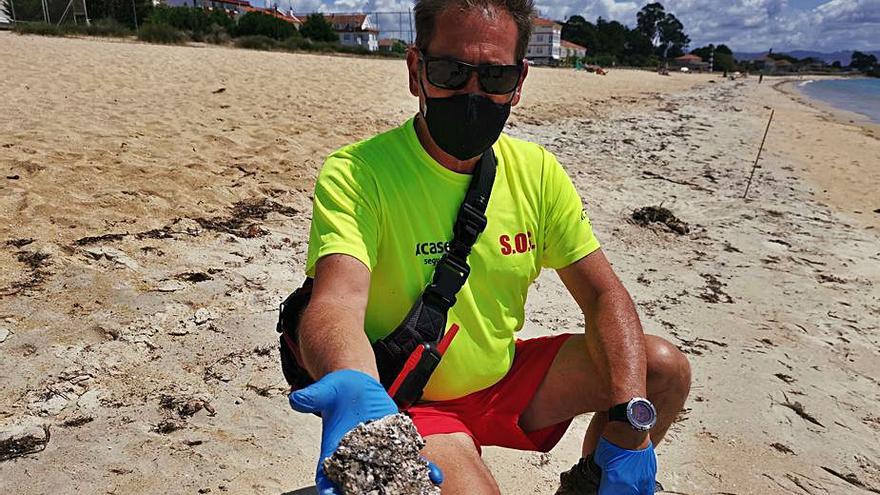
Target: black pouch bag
x=289, y=315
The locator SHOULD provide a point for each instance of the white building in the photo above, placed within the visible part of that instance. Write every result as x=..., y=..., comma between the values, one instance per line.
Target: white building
x=545, y=43
x=355, y=30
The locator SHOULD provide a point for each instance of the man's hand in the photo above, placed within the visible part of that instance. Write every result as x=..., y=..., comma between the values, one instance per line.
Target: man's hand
x=344, y=399
x=625, y=472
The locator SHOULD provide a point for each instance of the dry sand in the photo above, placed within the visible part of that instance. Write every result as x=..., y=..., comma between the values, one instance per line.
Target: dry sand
x=848, y=178
x=155, y=208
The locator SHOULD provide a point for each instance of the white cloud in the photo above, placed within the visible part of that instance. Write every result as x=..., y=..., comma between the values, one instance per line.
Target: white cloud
x=849, y=12
x=744, y=25
x=755, y=25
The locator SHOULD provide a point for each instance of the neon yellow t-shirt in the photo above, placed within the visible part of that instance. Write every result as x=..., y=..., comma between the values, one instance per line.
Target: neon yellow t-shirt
x=386, y=202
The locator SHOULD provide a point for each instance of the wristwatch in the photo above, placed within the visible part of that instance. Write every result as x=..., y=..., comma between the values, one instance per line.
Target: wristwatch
x=638, y=412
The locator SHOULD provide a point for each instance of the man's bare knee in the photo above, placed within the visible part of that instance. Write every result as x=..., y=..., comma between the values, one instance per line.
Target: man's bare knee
x=668, y=367
x=463, y=469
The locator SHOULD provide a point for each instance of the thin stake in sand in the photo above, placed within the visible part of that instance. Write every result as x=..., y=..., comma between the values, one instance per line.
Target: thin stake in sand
x=755, y=166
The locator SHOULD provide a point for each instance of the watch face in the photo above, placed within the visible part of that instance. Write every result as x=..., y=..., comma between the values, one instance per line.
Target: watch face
x=641, y=414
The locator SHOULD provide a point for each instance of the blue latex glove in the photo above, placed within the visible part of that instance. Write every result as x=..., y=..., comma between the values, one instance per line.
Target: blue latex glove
x=625, y=472
x=344, y=399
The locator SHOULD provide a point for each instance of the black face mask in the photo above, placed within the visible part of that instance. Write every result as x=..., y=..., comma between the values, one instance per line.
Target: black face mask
x=465, y=125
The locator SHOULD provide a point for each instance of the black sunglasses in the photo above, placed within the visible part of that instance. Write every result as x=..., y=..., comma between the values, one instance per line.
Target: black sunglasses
x=453, y=74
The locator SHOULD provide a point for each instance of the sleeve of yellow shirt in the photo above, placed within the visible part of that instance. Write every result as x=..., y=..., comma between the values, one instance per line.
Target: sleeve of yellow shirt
x=345, y=215
x=568, y=235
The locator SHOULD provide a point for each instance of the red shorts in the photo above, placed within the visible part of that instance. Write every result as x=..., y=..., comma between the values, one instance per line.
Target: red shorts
x=491, y=416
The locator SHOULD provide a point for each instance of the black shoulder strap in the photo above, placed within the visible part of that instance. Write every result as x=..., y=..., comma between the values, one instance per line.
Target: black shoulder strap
x=452, y=270
x=425, y=325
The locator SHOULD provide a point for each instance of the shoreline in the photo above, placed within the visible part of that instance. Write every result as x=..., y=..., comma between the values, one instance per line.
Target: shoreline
x=837, y=159
x=839, y=115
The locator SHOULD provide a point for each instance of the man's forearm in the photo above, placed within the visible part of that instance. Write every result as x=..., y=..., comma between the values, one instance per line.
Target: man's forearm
x=331, y=338
x=616, y=343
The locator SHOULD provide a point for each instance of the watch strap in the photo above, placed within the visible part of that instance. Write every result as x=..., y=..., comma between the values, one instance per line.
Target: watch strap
x=618, y=412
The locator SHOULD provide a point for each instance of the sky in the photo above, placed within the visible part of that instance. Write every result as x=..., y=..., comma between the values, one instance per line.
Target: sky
x=743, y=25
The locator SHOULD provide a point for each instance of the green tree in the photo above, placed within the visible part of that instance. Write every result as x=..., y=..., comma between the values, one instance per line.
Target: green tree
x=580, y=31
x=611, y=38
x=119, y=10
x=663, y=29
x=724, y=62
x=398, y=47
x=260, y=24
x=638, y=50
x=198, y=22
x=32, y=10
x=316, y=28
x=722, y=58
x=704, y=51
x=609, y=43
x=648, y=21
x=122, y=11
x=862, y=61
x=673, y=41
x=722, y=48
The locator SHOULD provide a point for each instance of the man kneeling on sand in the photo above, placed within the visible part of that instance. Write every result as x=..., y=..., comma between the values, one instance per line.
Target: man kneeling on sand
x=393, y=231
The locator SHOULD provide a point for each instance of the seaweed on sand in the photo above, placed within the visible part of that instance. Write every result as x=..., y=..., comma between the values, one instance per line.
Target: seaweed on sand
x=647, y=215
x=240, y=222
x=36, y=264
x=22, y=445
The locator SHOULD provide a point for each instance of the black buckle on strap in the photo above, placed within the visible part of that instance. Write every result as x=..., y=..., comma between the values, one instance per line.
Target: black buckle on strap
x=449, y=276
x=469, y=224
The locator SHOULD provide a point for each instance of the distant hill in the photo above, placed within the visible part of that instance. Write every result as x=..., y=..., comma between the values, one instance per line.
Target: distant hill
x=842, y=56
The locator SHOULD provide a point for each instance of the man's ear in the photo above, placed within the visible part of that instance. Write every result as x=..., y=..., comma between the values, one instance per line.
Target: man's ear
x=519, y=86
x=412, y=66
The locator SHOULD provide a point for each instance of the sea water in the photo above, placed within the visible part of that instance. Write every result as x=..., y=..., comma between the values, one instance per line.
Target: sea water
x=855, y=95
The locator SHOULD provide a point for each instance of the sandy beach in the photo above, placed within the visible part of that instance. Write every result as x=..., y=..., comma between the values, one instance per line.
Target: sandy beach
x=155, y=210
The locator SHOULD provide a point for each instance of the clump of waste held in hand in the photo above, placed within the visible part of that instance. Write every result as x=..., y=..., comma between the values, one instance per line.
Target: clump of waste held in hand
x=381, y=458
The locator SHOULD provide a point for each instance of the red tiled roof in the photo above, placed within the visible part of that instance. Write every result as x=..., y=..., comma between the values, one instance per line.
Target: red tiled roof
x=540, y=21
x=355, y=20
x=347, y=22
x=275, y=13
x=689, y=58
x=569, y=44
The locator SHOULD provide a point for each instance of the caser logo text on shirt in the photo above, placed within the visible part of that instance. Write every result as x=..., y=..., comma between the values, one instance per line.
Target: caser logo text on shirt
x=431, y=248
x=425, y=248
